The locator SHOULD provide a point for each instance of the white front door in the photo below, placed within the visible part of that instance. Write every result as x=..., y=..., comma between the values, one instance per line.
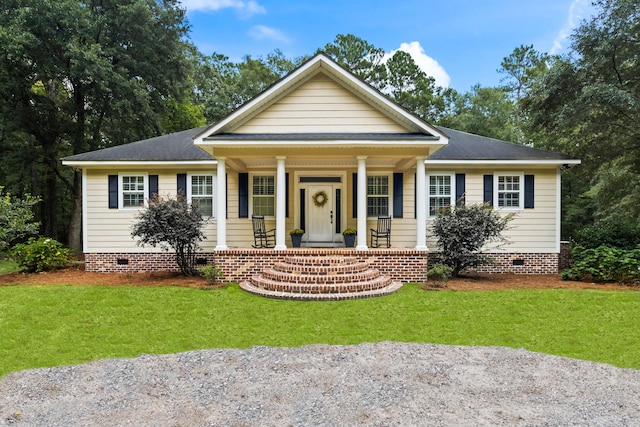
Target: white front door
x=321, y=208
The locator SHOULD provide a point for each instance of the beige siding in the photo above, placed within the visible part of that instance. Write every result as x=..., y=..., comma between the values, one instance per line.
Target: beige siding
x=320, y=105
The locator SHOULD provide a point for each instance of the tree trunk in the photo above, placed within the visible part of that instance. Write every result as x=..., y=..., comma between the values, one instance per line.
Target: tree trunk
x=75, y=222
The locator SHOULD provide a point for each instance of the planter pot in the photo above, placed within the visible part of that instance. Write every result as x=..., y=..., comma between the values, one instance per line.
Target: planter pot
x=350, y=240
x=296, y=240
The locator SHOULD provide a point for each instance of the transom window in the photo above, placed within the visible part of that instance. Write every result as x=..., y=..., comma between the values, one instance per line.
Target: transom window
x=202, y=193
x=132, y=191
x=440, y=193
x=509, y=191
x=264, y=200
x=377, y=196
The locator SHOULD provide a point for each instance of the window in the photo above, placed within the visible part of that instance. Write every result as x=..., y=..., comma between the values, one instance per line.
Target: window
x=377, y=196
x=201, y=192
x=264, y=200
x=133, y=191
x=440, y=193
x=509, y=192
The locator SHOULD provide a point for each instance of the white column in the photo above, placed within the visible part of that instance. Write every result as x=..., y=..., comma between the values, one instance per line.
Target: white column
x=361, y=244
x=421, y=205
x=221, y=205
x=281, y=201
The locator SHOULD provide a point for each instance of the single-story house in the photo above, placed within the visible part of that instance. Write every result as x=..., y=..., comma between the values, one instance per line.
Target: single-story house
x=323, y=151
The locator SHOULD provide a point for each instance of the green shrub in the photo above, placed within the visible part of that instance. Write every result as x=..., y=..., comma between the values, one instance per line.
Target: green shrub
x=40, y=255
x=617, y=234
x=604, y=264
x=439, y=273
x=211, y=273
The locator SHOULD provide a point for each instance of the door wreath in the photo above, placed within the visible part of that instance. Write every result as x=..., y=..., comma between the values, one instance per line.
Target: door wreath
x=320, y=198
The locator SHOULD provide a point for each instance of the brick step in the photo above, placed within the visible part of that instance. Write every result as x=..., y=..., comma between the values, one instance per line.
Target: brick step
x=318, y=288
x=320, y=261
x=392, y=287
x=354, y=268
x=327, y=278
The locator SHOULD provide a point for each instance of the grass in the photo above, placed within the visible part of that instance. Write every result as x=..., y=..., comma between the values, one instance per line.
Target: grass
x=60, y=325
x=8, y=266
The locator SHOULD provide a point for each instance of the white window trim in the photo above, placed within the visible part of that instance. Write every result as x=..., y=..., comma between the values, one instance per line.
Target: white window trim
x=389, y=194
x=145, y=194
x=213, y=190
x=520, y=206
x=452, y=196
x=275, y=183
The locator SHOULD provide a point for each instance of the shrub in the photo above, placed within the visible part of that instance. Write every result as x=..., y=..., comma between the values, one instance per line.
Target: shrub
x=439, y=273
x=617, y=234
x=40, y=255
x=464, y=231
x=16, y=219
x=604, y=264
x=211, y=273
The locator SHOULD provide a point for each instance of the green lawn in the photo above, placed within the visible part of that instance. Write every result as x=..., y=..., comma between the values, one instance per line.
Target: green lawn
x=58, y=325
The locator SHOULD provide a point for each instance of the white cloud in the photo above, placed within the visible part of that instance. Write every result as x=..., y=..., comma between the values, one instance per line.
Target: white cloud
x=578, y=10
x=246, y=8
x=426, y=63
x=262, y=32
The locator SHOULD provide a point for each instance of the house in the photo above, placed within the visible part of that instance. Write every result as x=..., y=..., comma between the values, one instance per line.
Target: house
x=321, y=150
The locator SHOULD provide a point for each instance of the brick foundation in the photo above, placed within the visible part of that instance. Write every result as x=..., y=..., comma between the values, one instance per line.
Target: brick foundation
x=403, y=265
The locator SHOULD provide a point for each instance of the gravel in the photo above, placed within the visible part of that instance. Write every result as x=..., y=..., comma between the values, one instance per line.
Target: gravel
x=367, y=384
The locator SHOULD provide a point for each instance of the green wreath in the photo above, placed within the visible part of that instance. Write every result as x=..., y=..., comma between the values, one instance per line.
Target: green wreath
x=320, y=199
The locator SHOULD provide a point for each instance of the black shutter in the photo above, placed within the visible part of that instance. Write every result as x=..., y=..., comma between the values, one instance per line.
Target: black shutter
x=460, y=189
x=415, y=195
x=226, y=195
x=286, y=194
x=354, y=201
x=488, y=189
x=113, y=191
x=528, y=192
x=182, y=184
x=153, y=186
x=398, y=181
x=243, y=195
x=302, y=209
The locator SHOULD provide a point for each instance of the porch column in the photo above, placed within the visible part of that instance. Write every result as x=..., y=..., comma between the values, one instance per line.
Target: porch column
x=421, y=205
x=361, y=245
x=221, y=205
x=281, y=201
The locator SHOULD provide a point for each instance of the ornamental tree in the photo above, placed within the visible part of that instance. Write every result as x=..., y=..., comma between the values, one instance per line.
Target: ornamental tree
x=172, y=223
x=16, y=219
x=464, y=231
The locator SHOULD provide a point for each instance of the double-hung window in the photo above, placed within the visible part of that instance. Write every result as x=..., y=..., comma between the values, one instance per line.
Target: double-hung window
x=509, y=191
x=440, y=193
x=377, y=195
x=201, y=192
x=264, y=200
x=133, y=191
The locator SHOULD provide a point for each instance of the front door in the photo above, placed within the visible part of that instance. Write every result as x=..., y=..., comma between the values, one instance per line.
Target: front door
x=321, y=208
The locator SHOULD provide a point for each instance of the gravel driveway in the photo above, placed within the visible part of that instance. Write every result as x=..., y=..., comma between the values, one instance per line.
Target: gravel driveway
x=367, y=384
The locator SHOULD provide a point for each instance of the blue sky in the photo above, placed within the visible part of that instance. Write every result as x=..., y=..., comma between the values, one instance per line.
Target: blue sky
x=459, y=42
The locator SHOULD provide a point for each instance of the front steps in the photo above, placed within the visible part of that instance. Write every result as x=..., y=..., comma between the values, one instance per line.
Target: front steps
x=320, y=278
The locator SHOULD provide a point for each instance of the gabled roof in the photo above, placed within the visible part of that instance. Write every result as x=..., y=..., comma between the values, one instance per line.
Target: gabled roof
x=176, y=146
x=467, y=147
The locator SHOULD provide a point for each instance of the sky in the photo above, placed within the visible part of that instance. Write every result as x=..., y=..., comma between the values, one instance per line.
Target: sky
x=459, y=42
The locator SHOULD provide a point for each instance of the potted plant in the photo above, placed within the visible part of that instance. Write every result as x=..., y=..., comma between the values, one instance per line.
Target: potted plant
x=350, y=237
x=296, y=237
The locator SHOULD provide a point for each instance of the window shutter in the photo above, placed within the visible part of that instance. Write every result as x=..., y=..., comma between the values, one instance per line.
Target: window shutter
x=113, y=191
x=460, y=189
x=528, y=191
x=286, y=194
x=354, y=201
x=153, y=186
x=488, y=189
x=302, y=209
x=182, y=184
x=243, y=195
x=415, y=195
x=398, y=181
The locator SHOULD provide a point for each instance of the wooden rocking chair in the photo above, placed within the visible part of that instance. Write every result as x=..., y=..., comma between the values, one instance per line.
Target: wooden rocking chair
x=262, y=238
x=383, y=231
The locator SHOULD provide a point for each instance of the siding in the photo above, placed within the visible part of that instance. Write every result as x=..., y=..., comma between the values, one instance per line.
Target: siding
x=320, y=105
